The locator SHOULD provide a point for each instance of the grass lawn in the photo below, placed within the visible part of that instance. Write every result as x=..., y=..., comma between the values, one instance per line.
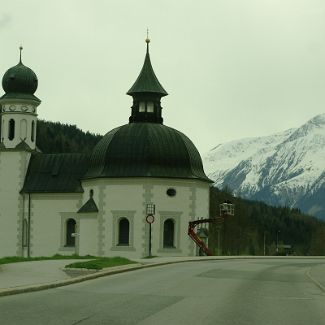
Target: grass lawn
x=101, y=262
x=95, y=263
x=15, y=259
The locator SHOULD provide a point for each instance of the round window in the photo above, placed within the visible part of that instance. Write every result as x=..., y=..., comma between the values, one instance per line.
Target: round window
x=171, y=192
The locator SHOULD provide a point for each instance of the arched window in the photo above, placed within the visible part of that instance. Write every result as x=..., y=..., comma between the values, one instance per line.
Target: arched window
x=169, y=227
x=123, y=232
x=150, y=107
x=23, y=129
x=70, y=233
x=142, y=107
x=11, y=129
x=32, y=132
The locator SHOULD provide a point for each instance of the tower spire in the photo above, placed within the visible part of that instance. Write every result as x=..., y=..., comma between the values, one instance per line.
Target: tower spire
x=20, y=50
x=146, y=92
x=147, y=82
x=147, y=40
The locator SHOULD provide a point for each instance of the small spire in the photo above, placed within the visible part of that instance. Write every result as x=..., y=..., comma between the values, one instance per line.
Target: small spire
x=20, y=50
x=147, y=40
x=147, y=81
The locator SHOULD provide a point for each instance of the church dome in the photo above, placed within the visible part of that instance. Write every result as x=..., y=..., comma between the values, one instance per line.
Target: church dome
x=20, y=79
x=146, y=150
x=145, y=147
x=20, y=82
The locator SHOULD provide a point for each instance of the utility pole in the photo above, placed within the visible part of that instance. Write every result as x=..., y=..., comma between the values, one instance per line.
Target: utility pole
x=218, y=240
x=277, y=242
x=264, y=243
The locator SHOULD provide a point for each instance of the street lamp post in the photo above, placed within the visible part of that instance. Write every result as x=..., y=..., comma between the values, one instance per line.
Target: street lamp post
x=150, y=211
x=75, y=235
x=277, y=242
x=218, y=231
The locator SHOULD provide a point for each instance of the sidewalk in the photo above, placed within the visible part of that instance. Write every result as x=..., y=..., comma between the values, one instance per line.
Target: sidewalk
x=40, y=275
x=32, y=273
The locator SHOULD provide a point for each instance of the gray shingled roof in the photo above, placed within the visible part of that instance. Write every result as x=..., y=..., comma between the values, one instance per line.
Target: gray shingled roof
x=146, y=150
x=55, y=173
x=147, y=82
x=88, y=207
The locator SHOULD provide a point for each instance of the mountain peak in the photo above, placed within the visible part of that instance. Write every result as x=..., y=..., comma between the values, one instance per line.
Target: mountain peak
x=318, y=120
x=281, y=169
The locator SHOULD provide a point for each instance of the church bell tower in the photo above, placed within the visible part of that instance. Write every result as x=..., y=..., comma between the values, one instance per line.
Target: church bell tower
x=17, y=142
x=19, y=108
x=147, y=92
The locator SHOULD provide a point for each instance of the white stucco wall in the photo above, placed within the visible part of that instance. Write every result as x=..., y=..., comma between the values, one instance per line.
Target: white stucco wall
x=24, y=113
x=49, y=213
x=189, y=203
x=98, y=232
x=13, y=166
x=88, y=234
x=118, y=198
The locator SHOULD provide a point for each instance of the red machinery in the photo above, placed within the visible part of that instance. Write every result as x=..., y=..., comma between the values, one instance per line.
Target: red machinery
x=191, y=232
x=226, y=208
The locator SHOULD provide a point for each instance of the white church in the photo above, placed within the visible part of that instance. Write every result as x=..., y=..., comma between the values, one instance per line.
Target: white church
x=71, y=203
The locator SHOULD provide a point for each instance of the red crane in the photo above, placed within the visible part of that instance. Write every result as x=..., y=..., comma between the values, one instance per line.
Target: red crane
x=193, y=235
x=226, y=208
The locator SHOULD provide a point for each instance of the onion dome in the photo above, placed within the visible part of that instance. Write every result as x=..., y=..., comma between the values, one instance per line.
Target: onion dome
x=20, y=82
x=146, y=150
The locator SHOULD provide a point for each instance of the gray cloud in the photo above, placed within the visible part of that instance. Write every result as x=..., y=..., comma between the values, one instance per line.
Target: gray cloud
x=5, y=20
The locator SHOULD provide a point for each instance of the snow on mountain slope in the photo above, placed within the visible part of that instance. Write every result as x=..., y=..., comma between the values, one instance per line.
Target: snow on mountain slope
x=280, y=169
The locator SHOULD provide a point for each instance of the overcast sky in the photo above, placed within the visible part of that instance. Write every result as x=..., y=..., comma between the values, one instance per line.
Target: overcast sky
x=232, y=68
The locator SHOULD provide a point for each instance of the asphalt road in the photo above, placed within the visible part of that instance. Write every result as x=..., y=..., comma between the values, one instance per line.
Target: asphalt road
x=208, y=292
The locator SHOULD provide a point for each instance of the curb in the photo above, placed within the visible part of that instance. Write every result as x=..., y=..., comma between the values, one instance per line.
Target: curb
x=82, y=278
x=139, y=266
x=61, y=283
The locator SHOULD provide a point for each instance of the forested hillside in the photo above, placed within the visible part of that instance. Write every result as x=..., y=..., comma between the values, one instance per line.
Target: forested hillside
x=244, y=233
x=54, y=137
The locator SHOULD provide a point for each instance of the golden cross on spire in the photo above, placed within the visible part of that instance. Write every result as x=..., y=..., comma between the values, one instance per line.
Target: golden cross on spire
x=147, y=39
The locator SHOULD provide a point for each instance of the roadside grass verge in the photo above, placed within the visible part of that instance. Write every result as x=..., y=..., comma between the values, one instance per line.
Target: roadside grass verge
x=16, y=259
x=100, y=263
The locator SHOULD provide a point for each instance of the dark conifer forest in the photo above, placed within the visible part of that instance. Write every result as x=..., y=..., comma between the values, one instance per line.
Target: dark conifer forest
x=255, y=229
x=55, y=137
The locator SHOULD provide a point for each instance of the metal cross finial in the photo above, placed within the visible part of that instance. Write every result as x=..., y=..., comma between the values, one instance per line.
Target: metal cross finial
x=147, y=40
x=20, y=50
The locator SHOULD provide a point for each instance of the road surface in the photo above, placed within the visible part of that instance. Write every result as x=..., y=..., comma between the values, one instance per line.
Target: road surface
x=234, y=292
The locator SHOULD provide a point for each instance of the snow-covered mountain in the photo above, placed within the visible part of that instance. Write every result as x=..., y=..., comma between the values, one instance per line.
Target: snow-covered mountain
x=285, y=168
